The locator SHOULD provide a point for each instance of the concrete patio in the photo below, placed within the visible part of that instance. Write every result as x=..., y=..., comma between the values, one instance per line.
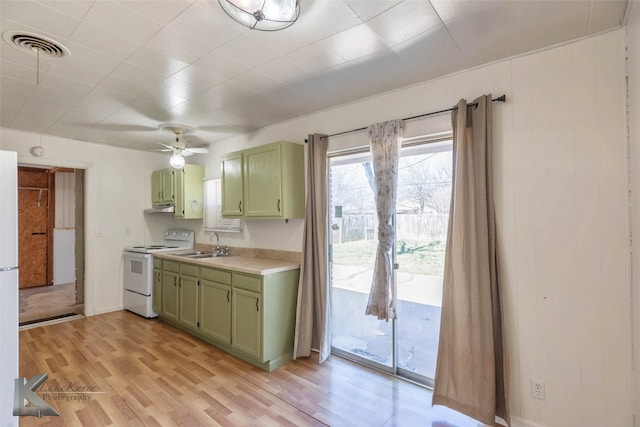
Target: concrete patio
x=419, y=299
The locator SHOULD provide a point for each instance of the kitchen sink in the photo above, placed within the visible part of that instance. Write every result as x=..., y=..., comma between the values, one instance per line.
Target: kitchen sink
x=199, y=255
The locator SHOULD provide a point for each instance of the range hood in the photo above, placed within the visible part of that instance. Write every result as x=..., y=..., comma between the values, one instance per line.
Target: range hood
x=161, y=209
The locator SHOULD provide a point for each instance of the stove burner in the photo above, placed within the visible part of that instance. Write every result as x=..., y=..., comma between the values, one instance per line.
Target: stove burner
x=173, y=240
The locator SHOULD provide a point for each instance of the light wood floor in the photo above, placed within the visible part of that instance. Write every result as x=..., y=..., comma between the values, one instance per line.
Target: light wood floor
x=47, y=301
x=121, y=369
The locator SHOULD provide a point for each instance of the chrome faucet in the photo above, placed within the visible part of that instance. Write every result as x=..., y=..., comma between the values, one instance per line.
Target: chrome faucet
x=216, y=249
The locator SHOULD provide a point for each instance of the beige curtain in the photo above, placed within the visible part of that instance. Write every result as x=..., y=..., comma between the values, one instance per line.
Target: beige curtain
x=384, y=139
x=312, y=315
x=471, y=370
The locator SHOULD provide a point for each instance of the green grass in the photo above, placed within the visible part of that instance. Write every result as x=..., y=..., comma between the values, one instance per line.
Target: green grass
x=417, y=256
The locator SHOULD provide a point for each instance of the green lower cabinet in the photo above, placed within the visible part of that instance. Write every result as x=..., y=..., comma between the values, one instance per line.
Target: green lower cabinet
x=170, y=294
x=215, y=310
x=188, y=295
x=249, y=316
x=246, y=330
x=157, y=290
x=188, y=301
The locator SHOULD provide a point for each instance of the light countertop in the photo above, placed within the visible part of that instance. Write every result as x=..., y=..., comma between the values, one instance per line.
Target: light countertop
x=239, y=263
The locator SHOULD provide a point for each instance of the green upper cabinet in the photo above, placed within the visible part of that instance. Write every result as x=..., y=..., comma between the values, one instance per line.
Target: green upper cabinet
x=231, y=174
x=162, y=187
x=263, y=181
x=182, y=188
x=189, y=192
x=270, y=185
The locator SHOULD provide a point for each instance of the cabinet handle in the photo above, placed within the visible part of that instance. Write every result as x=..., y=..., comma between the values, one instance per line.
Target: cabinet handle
x=175, y=281
x=278, y=205
x=257, y=304
x=240, y=205
x=228, y=296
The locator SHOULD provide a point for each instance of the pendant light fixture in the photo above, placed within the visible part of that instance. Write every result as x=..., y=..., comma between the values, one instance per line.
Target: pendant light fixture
x=176, y=161
x=263, y=15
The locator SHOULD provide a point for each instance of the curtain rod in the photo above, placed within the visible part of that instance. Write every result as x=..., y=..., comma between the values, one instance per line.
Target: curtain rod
x=502, y=98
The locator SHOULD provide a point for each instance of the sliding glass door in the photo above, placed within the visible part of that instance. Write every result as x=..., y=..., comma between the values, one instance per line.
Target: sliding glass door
x=407, y=346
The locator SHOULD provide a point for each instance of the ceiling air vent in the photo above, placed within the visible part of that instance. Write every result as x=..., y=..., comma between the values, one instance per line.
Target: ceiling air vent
x=35, y=44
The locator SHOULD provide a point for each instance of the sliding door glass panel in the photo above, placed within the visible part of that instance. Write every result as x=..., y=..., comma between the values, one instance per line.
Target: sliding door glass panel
x=422, y=215
x=353, y=242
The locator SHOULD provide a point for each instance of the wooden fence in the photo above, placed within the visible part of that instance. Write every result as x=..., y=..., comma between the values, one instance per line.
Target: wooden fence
x=363, y=226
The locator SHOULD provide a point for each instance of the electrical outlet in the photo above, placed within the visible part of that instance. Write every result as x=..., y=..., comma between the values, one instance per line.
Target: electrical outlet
x=127, y=231
x=538, y=390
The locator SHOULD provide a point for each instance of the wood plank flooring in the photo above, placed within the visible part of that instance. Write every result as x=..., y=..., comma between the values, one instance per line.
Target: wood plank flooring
x=120, y=369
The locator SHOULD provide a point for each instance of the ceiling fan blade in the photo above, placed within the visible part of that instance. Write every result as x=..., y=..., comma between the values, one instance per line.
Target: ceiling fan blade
x=186, y=152
x=198, y=150
x=170, y=148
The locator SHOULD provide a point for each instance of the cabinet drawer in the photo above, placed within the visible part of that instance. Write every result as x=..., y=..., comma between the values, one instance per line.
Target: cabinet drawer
x=157, y=263
x=219, y=276
x=189, y=269
x=171, y=266
x=250, y=283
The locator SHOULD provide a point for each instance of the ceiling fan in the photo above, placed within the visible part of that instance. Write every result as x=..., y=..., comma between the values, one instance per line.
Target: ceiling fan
x=179, y=149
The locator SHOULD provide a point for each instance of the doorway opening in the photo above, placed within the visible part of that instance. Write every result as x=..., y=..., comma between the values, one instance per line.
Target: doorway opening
x=407, y=346
x=50, y=242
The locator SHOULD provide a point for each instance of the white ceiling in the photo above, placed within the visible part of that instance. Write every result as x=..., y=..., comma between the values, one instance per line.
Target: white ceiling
x=137, y=64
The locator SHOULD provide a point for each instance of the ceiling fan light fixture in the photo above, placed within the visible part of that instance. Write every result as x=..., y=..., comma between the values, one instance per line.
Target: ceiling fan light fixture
x=263, y=15
x=176, y=161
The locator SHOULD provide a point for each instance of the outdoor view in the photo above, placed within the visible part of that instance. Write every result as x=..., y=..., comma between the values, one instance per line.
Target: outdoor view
x=422, y=208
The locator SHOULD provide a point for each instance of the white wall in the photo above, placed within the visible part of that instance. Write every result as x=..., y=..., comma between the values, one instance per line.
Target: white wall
x=118, y=188
x=633, y=121
x=561, y=190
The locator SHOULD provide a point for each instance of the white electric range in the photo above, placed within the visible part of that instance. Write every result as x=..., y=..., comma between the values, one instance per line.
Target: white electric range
x=138, y=270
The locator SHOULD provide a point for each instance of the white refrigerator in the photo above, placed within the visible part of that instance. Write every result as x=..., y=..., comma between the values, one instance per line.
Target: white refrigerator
x=8, y=285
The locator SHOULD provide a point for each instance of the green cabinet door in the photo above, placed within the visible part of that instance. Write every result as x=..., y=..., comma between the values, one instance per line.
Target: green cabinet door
x=246, y=329
x=188, y=301
x=168, y=190
x=189, y=191
x=162, y=188
x=231, y=176
x=170, y=294
x=215, y=310
x=157, y=290
x=263, y=181
x=156, y=187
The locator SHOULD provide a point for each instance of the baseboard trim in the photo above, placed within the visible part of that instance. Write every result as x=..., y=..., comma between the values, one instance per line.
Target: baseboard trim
x=105, y=310
x=522, y=422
